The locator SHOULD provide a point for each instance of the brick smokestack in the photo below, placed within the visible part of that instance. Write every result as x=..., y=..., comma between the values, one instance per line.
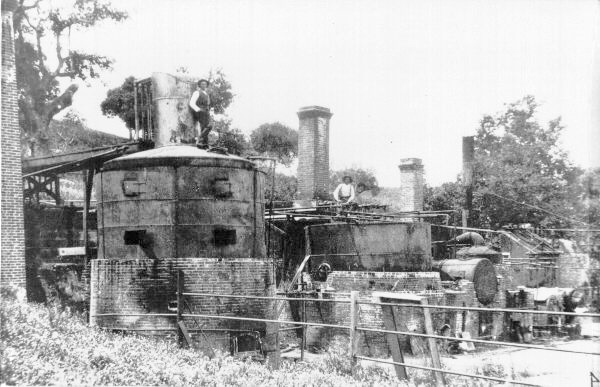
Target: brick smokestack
x=313, y=153
x=411, y=184
x=13, y=234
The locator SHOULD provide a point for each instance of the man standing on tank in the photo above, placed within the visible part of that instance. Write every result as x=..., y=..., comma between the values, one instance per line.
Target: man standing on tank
x=200, y=105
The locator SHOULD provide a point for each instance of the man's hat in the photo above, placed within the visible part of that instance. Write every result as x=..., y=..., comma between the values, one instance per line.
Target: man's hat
x=203, y=80
x=347, y=177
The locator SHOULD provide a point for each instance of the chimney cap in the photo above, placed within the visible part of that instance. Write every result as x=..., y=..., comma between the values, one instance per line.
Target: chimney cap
x=314, y=111
x=411, y=163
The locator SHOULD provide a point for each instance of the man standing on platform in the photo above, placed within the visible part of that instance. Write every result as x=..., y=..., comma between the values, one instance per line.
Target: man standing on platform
x=200, y=105
x=344, y=193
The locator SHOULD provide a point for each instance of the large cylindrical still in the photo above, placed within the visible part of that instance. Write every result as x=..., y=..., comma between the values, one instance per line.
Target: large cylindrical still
x=480, y=271
x=179, y=214
x=180, y=201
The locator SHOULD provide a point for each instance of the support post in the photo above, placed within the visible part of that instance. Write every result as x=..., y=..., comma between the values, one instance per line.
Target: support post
x=88, y=180
x=180, y=279
x=135, y=109
x=303, y=345
x=353, y=325
x=433, y=349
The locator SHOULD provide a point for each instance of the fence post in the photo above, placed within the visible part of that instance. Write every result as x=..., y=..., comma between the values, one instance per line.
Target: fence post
x=353, y=325
x=303, y=345
x=179, y=306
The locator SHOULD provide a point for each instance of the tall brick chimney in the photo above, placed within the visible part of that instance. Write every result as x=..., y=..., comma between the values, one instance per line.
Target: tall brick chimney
x=411, y=184
x=12, y=256
x=313, y=152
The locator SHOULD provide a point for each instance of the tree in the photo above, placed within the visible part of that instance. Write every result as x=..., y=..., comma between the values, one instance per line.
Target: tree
x=119, y=102
x=285, y=188
x=72, y=134
x=276, y=140
x=229, y=138
x=220, y=91
x=358, y=175
x=41, y=96
x=521, y=173
x=588, y=201
x=448, y=196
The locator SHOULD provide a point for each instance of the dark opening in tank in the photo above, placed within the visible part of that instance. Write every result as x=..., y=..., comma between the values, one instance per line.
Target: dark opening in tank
x=134, y=237
x=223, y=237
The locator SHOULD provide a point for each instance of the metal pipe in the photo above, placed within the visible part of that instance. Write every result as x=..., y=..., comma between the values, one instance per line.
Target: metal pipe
x=488, y=342
x=482, y=309
x=446, y=371
x=134, y=315
x=263, y=297
x=266, y=320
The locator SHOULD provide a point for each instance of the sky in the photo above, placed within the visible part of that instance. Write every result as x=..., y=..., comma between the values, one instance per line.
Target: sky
x=402, y=78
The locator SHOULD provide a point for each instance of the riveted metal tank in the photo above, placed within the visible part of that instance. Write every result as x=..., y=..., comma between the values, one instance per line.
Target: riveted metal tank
x=180, y=201
x=170, y=96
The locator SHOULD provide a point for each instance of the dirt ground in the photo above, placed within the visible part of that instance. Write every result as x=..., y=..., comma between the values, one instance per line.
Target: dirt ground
x=546, y=368
x=542, y=367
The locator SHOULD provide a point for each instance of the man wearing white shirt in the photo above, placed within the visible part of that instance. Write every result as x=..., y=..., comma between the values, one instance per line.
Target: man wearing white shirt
x=200, y=105
x=344, y=193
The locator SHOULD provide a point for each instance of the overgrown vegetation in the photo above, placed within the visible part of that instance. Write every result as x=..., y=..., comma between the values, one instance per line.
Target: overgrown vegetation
x=49, y=345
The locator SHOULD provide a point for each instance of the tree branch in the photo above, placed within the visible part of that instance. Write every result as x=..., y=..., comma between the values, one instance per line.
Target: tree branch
x=59, y=103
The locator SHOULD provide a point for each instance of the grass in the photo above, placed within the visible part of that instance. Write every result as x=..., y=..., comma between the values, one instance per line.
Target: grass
x=51, y=345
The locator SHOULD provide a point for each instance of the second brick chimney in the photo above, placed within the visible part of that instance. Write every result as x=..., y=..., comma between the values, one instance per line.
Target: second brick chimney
x=411, y=184
x=313, y=152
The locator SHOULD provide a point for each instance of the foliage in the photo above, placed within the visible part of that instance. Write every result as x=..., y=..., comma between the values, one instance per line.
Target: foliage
x=358, y=175
x=448, y=196
x=119, y=103
x=519, y=161
x=276, y=140
x=50, y=345
x=589, y=197
x=285, y=187
x=39, y=24
x=230, y=138
x=72, y=134
x=220, y=91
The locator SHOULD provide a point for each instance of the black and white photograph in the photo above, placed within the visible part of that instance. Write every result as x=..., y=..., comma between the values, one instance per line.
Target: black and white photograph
x=300, y=193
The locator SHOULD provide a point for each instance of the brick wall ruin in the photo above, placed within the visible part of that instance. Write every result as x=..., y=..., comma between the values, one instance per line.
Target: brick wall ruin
x=149, y=286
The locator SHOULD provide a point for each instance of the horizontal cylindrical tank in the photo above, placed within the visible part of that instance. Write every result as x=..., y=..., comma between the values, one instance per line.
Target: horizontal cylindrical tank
x=480, y=252
x=180, y=201
x=480, y=271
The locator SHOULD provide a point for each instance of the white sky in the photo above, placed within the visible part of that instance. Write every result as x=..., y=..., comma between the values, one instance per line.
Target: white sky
x=403, y=78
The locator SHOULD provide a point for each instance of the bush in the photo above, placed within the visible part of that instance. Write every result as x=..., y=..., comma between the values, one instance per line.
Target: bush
x=49, y=345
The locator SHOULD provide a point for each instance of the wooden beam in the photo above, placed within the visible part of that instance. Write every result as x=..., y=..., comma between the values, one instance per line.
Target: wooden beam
x=88, y=181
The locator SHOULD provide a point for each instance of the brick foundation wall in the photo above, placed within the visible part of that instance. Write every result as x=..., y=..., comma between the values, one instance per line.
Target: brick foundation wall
x=426, y=284
x=313, y=153
x=525, y=274
x=149, y=286
x=411, y=184
x=12, y=236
